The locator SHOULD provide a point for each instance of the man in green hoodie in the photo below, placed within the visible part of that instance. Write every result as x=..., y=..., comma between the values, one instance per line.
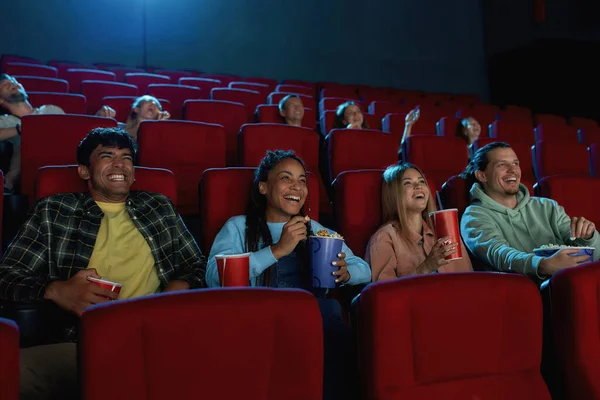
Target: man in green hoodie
x=504, y=224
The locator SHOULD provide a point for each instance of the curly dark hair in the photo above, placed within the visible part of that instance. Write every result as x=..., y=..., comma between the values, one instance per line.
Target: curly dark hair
x=256, y=221
x=108, y=137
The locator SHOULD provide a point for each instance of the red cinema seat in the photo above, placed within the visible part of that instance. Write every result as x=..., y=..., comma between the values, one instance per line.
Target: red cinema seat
x=449, y=126
x=38, y=84
x=27, y=69
x=76, y=75
x=64, y=66
x=120, y=71
x=142, y=80
x=56, y=179
x=589, y=135
x=249, y=98
x=205, y=85
x=37, y=151
x=223, y=78
x=401, y=356
x=340, y=92
x=358, y=206
x=512, y=131
x=12, y=58
x=562, y=187
x=186, y=148
x=122, y=105
x=269, y=113
x=9, y=362
x=176, y=94
x=574, y=159
x=269, y=340
x=225, y=193
x=376, y=150
x=283, y=88
x=438, y=157
x=549, y=119
x=228, y=114
x=68, y=102
x=270, y=82
x=556, y=133
x=594, y=156
x=512, y=113
x=583, y=123
x=174, y=74
x=95, y=91
x=332, y=103
x=264, y=90
x=383, y=108
x=576, y=318
x=307, y=101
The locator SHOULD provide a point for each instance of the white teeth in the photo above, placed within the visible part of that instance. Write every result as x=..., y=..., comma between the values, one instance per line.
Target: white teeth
x=116, y=177
x=294, y=198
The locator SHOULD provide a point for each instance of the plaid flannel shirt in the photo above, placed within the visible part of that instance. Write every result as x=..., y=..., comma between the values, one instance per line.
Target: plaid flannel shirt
x=58, y=239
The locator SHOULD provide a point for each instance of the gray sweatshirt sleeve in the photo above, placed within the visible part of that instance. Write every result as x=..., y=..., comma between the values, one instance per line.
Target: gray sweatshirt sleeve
x=563, y=222
x=484, y=239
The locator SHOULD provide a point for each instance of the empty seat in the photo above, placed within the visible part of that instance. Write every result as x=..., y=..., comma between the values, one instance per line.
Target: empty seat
x=449, y=126
x=307, y=101
x=38, y=84
x=51, y=180
x=223, y=78
x=68, y=102
x=176, y=94
x=512, y=113
x=309, y=91
x=228, y=114
x=95, y=91
x=580, y=122
x=438, y=157
x=142, y=80
x=192, y=148
x=64, y=66
x=573, y=158
x=236, y=182
x=18, y=68
x=576, y=317
x=122, y=105
x=11, y=58
x=9, y=362
x=249, y=98
x=269, y=341
x=556, y=133
x=549, y=119
x=120, y=71
x=377, y=150
x=270, y=113
x=512, y=131
x=358, y=206
x=174, y=74
x=270, y=82
x=75, y=76
x=37, y=151
x=263, y=89
x=341, y=92
x=383, y=108
x=401, y=356
x=205, y=85
x=395, y=123
x=562, y=189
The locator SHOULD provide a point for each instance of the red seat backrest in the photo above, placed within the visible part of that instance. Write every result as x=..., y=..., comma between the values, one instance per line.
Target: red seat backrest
x=223, y=78
x=512, y=131
x=399, y=323
x=383, y=108
x=67, y=131
x=269, y=113
x=176, y=94
x=186, y=148
x=438, y=157
x=142, y=80
x=77, y=75
x=574, y=159
x=56, y=179
x=556, y=133
x=576, y=317
x=9, y=362
x=68, y=102
x=225, y=193
x=249, y=98
x=19, y=68
x=38, y=84
x=270, y=82
x=263, y=89
x=278, y=356
x=174, y=74
x=228, y=114
x=580, y=122
x=358, y=206
x=121, y=71
x=95, y=91
x=205, y=85
x=309, y=91
x=353, y=149
x=549, y=119
x=340, y=92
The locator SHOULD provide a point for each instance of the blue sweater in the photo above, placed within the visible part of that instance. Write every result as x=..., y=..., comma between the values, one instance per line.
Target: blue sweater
x=231, y=240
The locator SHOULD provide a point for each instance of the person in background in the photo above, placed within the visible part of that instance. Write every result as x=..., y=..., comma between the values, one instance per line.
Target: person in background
x=349, y=116
x=406, y=243
x=469, y=130
x=144, y=108
x=291, y=110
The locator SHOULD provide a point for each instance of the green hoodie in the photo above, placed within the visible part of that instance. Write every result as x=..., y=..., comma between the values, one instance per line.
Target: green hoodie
x=505, y=238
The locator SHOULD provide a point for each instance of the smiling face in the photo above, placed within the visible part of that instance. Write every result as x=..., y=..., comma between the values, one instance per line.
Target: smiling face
x=472, y=129
x=353, y=115
x=110, y=174
x=11, y=91
x=415, y=191
x=502, y=176
x=285, y=189
x=293, y=111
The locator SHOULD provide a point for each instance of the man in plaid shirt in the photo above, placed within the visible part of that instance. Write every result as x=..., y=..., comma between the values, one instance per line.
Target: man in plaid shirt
x=134, y=238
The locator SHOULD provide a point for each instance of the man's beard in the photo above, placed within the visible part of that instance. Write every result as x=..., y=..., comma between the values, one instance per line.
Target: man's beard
x=16, y=98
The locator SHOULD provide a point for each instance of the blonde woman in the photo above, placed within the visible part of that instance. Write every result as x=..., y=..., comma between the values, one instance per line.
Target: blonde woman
x=406, y=243
x=144, y=108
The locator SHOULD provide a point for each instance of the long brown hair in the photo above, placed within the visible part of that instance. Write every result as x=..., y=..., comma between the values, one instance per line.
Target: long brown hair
x=392, y=198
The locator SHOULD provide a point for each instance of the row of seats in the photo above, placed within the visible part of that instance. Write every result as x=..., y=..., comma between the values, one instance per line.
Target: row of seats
x=491, y=345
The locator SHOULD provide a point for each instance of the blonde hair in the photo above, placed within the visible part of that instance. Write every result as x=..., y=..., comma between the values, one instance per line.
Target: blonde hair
x=392, y=198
